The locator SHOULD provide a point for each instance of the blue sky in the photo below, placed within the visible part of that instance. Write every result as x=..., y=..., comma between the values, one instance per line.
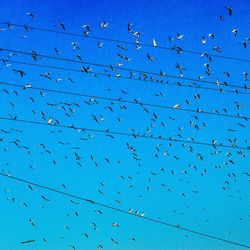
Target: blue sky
x=213, y=210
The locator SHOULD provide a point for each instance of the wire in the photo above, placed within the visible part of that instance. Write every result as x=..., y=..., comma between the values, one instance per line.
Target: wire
x=129, y=78
x=136, y=102
x=120, y=41
x=110, y=133
x=123, y=211
x=125, y=69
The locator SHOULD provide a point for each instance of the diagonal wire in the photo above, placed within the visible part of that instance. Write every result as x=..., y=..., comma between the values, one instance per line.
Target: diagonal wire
x=178, y=84
x=136, y=102
x=125, y=69
x=119, y=41
x=111, y=134
x=124, y=211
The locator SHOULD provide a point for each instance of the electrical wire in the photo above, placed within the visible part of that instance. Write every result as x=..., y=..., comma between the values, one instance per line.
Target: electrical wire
x=130, y=78
x=119, y=41
x=136, y=102
x=126, y=69
x=111, y=134
x=124, y=211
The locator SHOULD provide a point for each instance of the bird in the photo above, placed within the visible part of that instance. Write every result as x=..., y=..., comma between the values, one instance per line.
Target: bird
x=27, y=241
x=229, y=9
x=235, y=32
x=154, y=43
x=244, y=44
x=62, y=25
x=104, y=25
x=179, y=36
x=30, y=14
x=150, y=58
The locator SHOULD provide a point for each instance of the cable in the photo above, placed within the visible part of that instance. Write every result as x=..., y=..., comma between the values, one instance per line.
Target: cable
x=123, y=211
x=125, y=69
x=111, y=133
x=129, y=78
x=120, y=41
x=136, y=102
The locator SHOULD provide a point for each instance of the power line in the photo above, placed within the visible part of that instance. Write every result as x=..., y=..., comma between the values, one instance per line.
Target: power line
x=130, y=78
x=120, y=41
x=126, y=69
x=123, y=211
x=111, y=134
x=110, y=207
x=136, y=102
